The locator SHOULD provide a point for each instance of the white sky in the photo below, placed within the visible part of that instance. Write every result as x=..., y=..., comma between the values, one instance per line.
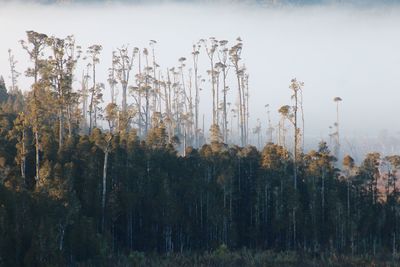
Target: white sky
x=347, y=52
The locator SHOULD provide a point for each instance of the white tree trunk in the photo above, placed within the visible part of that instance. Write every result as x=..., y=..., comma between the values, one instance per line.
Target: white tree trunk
x=103, y=197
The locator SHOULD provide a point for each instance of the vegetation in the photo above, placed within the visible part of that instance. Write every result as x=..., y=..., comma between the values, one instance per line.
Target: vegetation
x=149, y=191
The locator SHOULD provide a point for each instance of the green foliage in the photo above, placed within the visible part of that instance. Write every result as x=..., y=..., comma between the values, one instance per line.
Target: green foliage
x=3, y=91
x=112, y=199
x=221, y=251
x=216, y=198
x=136, y=258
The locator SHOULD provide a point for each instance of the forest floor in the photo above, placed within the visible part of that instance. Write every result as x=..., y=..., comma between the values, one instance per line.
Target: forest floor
x=222, y=258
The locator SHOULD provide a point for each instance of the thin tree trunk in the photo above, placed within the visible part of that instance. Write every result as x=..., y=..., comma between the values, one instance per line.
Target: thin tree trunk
x=92, y=99
x=103, y=196
x=197, y=99
x=37, y=147
x=225, y=120
x=23, y=152
x=240, y=107
x=69, y=121
x=61, y=129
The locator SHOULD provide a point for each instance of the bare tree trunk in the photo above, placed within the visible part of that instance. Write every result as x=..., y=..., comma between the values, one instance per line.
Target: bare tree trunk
x=140, y=94
x=23, y=152
x=240, y=109
x=247, y=108
x=156, y=90
x=36, y=126
x=124, y=89
x=191, y=114
x=147, y=96
x=37, y=147
x=94, y=51
x=169, y=107
x=61, y=128
x=217, y=74
x=84, y=97
x=184, y=141
x=296, y=134
x=225, y=119
x=213, y=90
x=69, y=116
x=62, y=234
x=195, y=54
x=92, y=99
x=103, y=196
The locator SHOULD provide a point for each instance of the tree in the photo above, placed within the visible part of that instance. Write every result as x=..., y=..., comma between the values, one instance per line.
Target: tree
x=290, y=113
x=124, y=64
x=95, y=91
x=60, y=74
x=112, y=77
x=146, y=77
x=83, y=95
x=393, y=199
x=224, y=66
x=369, y=174
x=350, y=171
x=234, y=55
x=111, y=115
x=20, y=130
x=3, y=91
x=14, y=73
x=216, y=136
x=195, y=55
x=115, y=191
x=104, y=143
x=257, y=131
x=34, y=46
x=337, y=100
x=270, y=128
x=211, y=48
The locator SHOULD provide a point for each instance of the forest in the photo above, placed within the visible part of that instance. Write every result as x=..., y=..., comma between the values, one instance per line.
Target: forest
x=125, y=173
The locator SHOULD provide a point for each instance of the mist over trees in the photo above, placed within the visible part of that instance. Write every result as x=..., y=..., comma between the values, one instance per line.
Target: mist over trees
x=85, y=179
x=256, y=2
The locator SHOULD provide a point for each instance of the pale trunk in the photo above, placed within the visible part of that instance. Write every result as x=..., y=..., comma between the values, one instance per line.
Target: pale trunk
x=23, y=156
x=140, y=96
x=240, y=117
x=37, y=154
x=213, y=90
x=103, y=196
x=196, y=85
x=61, y=128
x=92, y=99
x=225, y=129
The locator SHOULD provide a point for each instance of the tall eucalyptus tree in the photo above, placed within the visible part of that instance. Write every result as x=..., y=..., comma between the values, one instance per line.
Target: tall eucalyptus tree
x=211, y=48
x=34, y=46
x=104, y=143
x=234, y=55
x=195, y=57
x=224, y=68
x=93, y=53
x=124, y=63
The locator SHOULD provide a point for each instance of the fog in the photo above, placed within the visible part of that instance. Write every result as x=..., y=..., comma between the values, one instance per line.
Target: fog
x=337, y=50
